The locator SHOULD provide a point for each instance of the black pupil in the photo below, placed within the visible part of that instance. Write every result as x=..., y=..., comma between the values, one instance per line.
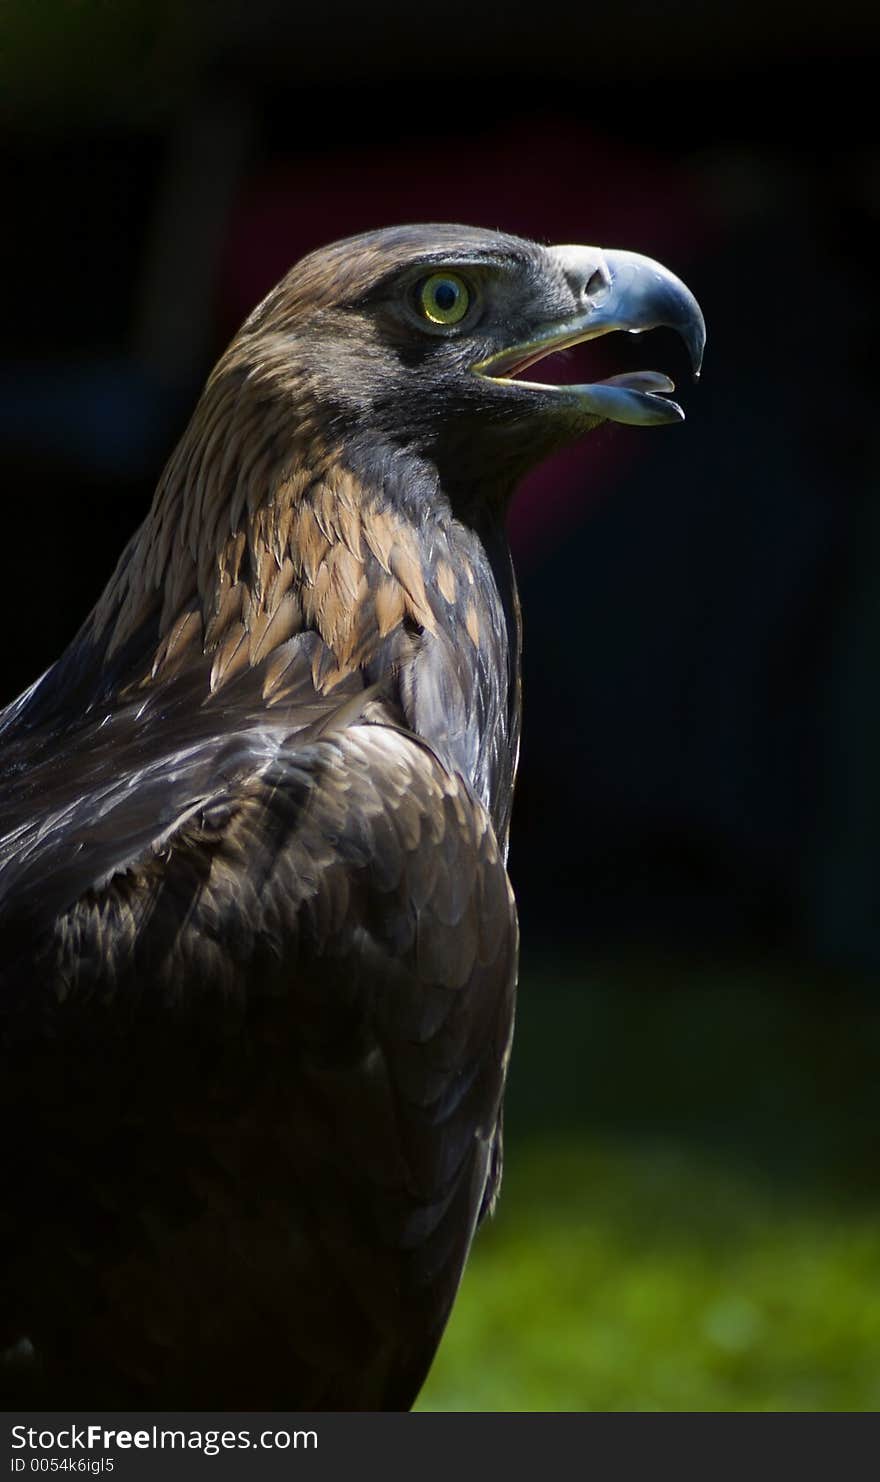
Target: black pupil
x=446, y=296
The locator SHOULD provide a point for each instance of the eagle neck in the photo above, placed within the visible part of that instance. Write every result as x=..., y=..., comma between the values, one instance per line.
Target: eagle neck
x=458, y=654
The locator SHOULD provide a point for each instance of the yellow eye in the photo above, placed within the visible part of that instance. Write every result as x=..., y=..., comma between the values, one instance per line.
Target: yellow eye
x=444, y=298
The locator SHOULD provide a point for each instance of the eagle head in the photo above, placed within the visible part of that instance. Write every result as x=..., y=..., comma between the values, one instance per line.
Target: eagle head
x=415, y=339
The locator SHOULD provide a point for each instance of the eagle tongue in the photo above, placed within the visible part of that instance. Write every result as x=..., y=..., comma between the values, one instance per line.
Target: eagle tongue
x=639, y=381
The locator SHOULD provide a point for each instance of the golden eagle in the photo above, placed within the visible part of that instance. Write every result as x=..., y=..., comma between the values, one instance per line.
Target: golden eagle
x=259, y=946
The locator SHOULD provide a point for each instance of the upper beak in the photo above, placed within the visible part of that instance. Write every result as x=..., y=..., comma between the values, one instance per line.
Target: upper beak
x=613, y=290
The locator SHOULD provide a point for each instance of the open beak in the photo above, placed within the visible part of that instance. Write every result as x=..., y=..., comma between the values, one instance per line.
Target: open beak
x=617, y=290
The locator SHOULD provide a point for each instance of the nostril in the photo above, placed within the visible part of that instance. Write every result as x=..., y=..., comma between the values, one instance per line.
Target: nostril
x=598, y=283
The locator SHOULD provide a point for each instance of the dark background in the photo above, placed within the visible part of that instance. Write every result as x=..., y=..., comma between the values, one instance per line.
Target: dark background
x=699, y=780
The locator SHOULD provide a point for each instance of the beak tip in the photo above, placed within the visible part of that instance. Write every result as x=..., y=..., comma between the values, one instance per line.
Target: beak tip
x=695, y=339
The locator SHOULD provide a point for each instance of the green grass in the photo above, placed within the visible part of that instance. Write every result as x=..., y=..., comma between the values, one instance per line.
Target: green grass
x=690, y=1217
x=621, y=1278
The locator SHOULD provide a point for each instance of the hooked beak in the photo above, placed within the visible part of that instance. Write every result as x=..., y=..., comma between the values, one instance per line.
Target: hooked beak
x=615, y=290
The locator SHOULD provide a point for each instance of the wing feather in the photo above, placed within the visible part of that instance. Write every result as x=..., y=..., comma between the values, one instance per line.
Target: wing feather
x=277, y=962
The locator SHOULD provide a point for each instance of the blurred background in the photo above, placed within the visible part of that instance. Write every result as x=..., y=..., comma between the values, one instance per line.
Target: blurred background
x=690, y=1213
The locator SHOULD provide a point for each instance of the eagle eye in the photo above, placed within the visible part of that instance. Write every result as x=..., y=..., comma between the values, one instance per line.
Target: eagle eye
x=444, y=298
